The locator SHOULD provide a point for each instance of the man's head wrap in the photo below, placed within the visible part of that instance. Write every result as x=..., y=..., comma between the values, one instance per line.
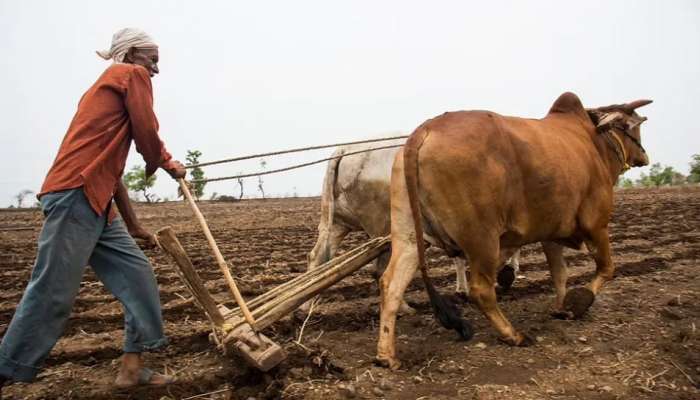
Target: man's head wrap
x=125, y=39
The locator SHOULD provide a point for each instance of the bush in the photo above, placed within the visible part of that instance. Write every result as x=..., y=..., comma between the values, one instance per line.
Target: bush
x=694, y=176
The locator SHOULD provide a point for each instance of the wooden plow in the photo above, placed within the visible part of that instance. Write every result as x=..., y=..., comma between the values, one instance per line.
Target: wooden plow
x=232, y=328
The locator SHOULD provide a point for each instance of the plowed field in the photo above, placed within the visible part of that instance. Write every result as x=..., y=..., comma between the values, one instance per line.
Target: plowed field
x=640, y=340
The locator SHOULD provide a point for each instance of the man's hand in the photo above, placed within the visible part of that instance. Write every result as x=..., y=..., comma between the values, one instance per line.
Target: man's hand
x=175, y=169
x=144, y=237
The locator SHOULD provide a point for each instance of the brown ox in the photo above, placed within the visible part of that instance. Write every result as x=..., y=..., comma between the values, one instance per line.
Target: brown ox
x=355, y=197
x=486, y=184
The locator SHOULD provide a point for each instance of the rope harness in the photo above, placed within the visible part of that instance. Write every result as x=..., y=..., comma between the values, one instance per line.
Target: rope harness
x=276, y=153
x=261, y=173
x=619, y=148
x=274, y=171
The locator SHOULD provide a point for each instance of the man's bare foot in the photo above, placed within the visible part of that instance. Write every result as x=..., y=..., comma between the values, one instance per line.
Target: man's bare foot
x=133, y=373
x=142, y=377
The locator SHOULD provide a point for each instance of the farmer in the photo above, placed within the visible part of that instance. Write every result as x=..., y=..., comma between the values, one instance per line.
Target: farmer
x=81, y=227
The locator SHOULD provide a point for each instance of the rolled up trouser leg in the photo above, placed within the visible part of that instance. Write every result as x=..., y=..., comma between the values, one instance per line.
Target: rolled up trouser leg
x=126, y=272
x=66, y=241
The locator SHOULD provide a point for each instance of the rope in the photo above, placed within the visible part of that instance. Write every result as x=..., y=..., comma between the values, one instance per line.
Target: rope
x=274, y=153
x=224, y=178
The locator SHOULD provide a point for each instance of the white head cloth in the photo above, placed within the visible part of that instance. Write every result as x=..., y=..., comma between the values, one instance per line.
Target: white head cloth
x=123, y=40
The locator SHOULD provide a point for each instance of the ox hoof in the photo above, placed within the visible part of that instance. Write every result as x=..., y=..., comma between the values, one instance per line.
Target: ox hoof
x=387, y=362
x=519, y=340
x=577, y=301
x=506, y=277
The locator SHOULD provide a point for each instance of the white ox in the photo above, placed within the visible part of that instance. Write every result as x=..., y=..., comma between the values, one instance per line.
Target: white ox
x=356, y=197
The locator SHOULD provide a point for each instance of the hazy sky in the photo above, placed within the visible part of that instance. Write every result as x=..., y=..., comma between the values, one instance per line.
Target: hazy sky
x=244, y=77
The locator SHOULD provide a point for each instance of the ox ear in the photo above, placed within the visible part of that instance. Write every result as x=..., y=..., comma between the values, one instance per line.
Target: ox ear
x=635, y=122
x=629, y=107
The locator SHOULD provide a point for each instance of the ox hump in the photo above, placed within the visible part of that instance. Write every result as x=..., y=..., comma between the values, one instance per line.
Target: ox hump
x=568, y=103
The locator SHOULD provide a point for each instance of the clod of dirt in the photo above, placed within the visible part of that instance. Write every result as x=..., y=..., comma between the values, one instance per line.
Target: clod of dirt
x=480, y=345
x=419, y=322
x=348, y=391
x=671, y=314
x=384, y=384
x=674, y=301
x=378, y=392
x=606, y=389
x=687, y=333
x=297, y=266
x=417, y=379
x=300, y=373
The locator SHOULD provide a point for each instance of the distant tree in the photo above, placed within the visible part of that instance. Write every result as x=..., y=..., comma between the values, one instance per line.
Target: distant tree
x=21, y=196
x=659, y=176
x=694, y=176
x=197, y=173
x=136, y=181
x=214, y=196
x=263, y=164
x=623, y=182
x=240, y=184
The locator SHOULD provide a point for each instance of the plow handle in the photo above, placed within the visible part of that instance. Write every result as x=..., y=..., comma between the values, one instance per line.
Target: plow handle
x=219, y=258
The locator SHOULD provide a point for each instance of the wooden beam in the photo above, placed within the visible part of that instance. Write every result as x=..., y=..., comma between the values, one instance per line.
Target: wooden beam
x=268, y=310
x=168, y=242
x=305, y=277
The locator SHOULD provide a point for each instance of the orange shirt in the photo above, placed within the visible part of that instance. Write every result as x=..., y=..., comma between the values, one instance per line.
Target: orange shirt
x=115, y=110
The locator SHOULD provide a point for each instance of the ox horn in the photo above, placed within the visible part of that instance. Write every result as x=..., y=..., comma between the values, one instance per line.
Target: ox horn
x=636, y=104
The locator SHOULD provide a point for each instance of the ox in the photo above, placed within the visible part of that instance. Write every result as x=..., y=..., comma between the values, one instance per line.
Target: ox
x=355, y=197
x=486, y=184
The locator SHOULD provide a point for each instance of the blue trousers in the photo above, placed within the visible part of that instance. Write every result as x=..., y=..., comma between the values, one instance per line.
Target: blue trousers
x=74, y=236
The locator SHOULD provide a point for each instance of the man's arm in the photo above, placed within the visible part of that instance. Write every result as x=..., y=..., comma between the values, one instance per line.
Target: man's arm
x=133, y=225
x=144, y=126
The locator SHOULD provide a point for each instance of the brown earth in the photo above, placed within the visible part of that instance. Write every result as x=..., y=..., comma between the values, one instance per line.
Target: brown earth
x=640, y=340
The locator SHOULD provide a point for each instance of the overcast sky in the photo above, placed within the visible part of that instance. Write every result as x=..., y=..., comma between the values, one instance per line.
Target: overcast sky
x=245, y=77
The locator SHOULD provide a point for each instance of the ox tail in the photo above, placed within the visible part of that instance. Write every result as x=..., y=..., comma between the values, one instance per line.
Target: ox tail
x=329, y=188
x=445, y=311
x=327, y=211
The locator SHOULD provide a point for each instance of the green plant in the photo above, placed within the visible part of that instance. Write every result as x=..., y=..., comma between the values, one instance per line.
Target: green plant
x=694, y=175
x=659, y=175
x=136, y=181
x=197, y=173
x=623, y=182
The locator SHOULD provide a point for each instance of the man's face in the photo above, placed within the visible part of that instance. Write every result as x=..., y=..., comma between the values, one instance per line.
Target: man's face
x=147, y=58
